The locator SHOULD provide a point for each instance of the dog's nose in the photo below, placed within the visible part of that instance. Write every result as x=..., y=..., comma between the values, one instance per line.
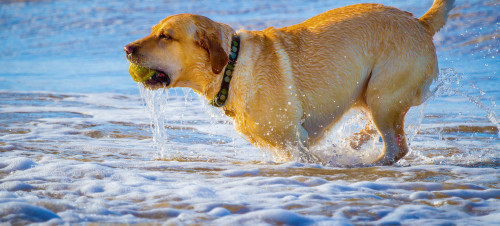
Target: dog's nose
x=129, y=49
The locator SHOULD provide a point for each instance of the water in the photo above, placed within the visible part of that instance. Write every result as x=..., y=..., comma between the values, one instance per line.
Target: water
x=77, y=143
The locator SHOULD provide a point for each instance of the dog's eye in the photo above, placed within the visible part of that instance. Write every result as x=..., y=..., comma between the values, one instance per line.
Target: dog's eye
x=166, y=37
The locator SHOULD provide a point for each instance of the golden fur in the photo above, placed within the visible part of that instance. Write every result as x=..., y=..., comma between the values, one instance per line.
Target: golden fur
x=292, y=84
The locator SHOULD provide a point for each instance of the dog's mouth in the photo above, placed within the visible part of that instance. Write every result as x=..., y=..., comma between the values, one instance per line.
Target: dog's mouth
x=159, y=78
x=149, y=77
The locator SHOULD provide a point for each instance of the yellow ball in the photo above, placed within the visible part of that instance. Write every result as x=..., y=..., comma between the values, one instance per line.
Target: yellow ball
x=140, y=74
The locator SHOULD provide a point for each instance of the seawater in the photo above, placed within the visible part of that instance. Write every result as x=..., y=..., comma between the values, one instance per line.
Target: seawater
x=156, y=103
x=80, y=142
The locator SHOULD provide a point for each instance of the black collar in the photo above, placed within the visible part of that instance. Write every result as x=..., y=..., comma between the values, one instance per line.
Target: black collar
x=221, y=97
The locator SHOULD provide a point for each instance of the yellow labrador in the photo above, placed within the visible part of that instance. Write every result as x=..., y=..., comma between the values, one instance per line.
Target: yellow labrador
x=287, y=86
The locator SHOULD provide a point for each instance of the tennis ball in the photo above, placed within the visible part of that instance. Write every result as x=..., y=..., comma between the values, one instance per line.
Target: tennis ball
x=140, y=74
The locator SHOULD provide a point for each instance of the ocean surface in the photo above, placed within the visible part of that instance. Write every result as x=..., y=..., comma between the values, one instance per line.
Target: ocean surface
x=80, y=142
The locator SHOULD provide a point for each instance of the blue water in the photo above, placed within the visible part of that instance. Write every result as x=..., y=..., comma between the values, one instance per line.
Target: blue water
x=75, y=139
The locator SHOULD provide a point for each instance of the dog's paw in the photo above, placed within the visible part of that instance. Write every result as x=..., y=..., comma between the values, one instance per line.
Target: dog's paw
x=384, y=160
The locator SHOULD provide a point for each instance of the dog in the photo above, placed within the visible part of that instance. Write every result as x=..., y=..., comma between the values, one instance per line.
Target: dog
x=287, y=86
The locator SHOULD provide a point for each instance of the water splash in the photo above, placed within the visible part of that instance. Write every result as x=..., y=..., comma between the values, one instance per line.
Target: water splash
x=459, y=141
x=449, y=84
x=337, y=148
x=156, y=105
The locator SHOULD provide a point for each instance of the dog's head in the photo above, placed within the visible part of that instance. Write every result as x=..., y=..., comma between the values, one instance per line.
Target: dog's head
x=185, y=50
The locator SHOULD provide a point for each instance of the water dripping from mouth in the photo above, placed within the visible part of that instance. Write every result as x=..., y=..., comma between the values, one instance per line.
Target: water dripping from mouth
x=186, y=94
x=156, y=105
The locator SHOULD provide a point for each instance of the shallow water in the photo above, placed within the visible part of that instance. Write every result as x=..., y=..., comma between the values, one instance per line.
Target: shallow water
x=77, y=144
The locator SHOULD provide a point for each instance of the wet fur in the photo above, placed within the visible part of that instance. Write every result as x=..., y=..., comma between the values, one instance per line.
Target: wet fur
x=292, y=84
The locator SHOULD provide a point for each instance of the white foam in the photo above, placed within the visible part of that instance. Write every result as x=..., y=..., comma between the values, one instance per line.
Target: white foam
x=18, y=210
x=11, y=165
x=99, y=178
x=15, y=185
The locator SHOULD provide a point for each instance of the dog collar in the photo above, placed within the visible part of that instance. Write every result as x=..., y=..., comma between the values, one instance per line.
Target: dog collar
x=221, y=97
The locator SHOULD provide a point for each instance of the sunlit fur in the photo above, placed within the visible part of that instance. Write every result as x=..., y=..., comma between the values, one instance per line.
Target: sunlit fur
x=292, y=84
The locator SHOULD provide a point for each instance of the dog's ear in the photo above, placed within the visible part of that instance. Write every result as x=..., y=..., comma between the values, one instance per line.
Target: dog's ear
x=212, y=42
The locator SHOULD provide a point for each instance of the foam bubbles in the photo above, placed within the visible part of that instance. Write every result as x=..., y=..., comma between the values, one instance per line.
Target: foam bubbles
x=21, y=163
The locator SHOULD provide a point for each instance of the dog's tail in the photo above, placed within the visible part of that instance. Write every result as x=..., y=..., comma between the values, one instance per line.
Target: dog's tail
x=435, y=18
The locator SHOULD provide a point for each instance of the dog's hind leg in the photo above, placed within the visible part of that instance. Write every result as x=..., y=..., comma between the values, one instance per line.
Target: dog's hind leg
x=390, y=124
x=387, y=105
x=397, y=83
